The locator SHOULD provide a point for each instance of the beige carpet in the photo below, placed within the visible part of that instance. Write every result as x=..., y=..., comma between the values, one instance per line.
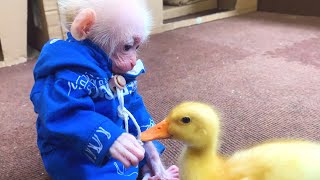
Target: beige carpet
x=261, y=70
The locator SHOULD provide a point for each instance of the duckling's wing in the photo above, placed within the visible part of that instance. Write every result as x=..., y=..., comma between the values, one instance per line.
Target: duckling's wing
x=281, y=160
x=246, y=170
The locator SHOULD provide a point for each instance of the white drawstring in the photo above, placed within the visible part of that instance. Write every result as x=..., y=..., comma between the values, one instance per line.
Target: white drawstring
x=124, y=114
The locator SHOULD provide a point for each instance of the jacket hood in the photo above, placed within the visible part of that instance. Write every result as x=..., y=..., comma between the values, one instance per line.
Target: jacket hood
x=71, y=54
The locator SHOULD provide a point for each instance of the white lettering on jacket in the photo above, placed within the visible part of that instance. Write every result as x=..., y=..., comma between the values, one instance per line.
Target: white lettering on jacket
x=98, y=87
x=94, y=149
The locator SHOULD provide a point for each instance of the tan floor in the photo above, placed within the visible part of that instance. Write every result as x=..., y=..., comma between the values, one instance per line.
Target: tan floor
x=261, y=70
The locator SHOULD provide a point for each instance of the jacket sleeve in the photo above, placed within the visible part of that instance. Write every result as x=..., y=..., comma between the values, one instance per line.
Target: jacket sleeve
x=71, y=120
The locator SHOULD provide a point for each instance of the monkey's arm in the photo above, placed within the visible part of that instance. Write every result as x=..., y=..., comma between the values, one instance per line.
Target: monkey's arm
x=69, y=119
x=153, y=159
x=145, y=121
x=155, y=169
x=152, y=167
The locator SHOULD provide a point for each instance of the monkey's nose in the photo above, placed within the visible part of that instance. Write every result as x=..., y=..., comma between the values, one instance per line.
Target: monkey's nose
x=133, y=63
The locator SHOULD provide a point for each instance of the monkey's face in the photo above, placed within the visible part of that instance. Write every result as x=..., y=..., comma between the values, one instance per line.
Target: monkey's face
x=124, y=56
x=115, y=31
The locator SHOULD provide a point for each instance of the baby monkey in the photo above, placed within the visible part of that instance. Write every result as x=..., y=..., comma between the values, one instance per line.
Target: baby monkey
x=80, y=132
x=119, y=28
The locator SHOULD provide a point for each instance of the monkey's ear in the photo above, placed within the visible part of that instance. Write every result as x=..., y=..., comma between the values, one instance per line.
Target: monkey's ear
x=82, y=24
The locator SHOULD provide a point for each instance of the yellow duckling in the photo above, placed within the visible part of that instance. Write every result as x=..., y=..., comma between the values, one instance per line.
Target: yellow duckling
x=197, y=125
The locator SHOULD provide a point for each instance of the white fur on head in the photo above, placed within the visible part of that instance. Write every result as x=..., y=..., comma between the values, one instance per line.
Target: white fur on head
x=117, y=20
x=68, y=10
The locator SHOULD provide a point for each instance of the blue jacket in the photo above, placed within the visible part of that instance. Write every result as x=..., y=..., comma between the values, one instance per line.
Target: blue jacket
x=77, y=112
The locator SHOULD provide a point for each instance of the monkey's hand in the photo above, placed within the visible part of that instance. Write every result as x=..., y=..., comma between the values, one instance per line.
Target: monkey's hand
x=127, y=150
x=154, y=169
x=172, y=173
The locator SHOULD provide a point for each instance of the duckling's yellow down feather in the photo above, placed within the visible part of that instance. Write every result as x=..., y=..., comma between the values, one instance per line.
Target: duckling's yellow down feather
x=197, y=125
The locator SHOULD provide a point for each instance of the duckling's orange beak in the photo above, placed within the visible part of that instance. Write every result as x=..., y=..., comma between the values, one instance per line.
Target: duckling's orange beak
x=159, y=131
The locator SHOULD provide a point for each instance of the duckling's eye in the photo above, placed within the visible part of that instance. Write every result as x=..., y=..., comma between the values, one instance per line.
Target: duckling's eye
x=186, y=120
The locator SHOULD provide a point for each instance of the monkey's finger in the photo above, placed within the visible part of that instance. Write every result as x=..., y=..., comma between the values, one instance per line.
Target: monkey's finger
x=132, y=139
x=173, y=169
x=130, y=145
x=154, y=178
x=175, y=175
x=116, y=154
x=146, y=176
x=134, y=161
x=138, y=153
x=138, y=145
x=125, y=153
x=124, y=161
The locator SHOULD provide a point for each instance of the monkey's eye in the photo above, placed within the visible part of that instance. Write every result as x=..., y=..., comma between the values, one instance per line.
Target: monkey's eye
x=127, y=47
x=186, y=120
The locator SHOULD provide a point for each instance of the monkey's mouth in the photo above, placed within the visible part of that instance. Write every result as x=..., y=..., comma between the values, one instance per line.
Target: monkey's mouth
x=118, y=70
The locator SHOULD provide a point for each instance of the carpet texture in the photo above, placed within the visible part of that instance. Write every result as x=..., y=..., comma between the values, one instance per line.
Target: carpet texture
x=261, y=71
